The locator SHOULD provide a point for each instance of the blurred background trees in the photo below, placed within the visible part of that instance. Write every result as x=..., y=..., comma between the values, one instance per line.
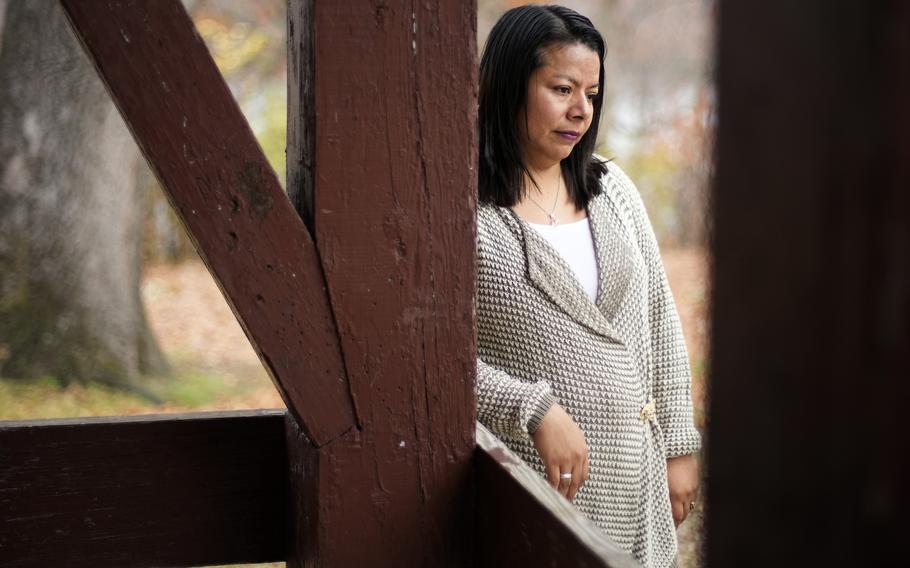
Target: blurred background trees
x=80, y=212
x=69, y=214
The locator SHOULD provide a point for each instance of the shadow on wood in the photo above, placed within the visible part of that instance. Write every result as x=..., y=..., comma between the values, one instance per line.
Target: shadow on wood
x=166, y=490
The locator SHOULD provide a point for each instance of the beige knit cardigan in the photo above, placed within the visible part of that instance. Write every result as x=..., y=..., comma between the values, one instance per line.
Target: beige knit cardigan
x=540, y=339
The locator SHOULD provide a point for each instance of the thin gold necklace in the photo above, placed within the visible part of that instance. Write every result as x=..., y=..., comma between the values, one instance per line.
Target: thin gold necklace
x=553, y=219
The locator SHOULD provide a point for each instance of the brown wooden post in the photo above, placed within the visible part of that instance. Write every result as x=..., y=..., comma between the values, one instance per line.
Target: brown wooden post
x=385, y=96
x=809, y=457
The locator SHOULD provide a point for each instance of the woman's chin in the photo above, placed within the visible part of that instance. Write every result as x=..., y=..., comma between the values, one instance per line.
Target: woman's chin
x=564, y=154
x=552, y=158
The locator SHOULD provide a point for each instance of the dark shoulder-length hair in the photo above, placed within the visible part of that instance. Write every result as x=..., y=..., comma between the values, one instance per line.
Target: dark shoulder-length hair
x=516, y=47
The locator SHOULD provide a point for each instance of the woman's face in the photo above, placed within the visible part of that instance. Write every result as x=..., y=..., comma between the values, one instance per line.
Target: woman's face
x=560, y=104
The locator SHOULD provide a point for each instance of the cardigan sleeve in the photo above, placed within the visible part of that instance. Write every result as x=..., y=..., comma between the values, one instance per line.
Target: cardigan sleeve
x=672, y=378
x=508, y=406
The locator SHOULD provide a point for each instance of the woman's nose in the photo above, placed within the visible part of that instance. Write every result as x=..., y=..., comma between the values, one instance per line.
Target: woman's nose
x=582, y=107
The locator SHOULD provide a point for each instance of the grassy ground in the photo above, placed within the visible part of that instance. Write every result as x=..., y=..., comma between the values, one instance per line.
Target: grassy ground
x=217, y=369
x=215, y=366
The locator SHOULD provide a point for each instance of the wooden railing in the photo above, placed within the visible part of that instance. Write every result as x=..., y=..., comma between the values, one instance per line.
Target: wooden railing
x=213, y=488
x=166, y=490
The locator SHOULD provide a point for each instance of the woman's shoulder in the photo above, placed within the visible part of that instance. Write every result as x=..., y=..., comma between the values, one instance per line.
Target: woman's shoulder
x=615, y=184
x=618, y=188
x=486, y=209
x=619, y=193
x=498, y=238
x=488, y=215
x=492, y=221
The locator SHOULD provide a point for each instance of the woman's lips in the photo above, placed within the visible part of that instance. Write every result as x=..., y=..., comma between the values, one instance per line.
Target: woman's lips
x=568, y=135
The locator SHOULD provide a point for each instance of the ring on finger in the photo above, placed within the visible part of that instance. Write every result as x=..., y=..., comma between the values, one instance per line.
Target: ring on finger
x=565, y=475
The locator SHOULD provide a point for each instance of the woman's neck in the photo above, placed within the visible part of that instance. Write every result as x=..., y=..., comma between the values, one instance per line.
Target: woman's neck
x=544, y=183
x=546, y=195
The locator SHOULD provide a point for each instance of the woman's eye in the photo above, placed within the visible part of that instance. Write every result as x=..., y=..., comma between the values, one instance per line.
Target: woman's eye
x=563, y=90
x=592, y=96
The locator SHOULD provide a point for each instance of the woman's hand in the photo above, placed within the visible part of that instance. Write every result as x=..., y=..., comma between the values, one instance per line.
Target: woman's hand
x=563, y=449
x=682, y=478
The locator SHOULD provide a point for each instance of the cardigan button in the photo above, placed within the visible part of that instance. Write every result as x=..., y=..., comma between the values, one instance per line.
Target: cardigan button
x=648, y=412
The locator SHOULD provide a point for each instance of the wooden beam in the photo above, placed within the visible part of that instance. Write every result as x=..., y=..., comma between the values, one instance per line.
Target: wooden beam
x=301, y=117
x=808, y=455
x=168, y=490
x=197, y=142
x=392, y=128
x=303, y=504
x=523, y=521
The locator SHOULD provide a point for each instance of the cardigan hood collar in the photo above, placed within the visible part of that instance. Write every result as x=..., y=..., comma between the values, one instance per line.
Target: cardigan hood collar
x=550, y=273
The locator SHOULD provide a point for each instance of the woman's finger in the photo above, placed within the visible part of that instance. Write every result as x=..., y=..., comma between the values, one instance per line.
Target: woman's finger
x=553, y=475
x=576, y=483
x=579, y=477
x=679, y=511
x=565, y=480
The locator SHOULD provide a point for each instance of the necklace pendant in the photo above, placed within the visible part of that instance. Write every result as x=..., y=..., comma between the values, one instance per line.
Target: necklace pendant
x=553, y=220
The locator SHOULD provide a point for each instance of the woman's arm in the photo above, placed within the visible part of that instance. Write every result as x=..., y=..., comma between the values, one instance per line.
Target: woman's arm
x=518, y=409
x=508, y=406
x=671, y=378
x=563, y=450
x=525, y=410
x=682, y=480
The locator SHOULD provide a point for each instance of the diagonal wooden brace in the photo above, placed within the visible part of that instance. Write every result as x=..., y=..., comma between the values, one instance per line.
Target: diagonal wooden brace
x=196, y=140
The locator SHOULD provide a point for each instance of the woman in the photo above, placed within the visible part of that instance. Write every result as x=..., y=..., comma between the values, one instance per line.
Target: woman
x=582, y=368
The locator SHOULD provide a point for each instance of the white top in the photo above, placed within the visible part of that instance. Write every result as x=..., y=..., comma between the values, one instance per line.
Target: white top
x=575, y=244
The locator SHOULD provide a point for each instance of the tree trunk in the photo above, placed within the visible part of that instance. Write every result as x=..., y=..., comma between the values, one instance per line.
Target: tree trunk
x=2, y=19
x=70, y=222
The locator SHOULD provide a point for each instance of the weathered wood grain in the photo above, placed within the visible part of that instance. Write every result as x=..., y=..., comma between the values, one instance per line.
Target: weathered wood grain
x=523, y=521
x=393, y=198
x=167, y=490
x=808, y=454
x=194, y=136
x=303, y=498
x=301, y=109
